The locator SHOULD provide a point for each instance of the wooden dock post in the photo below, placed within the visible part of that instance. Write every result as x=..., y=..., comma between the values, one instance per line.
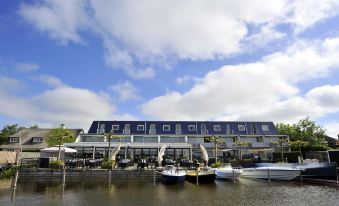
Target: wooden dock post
x=109, y=178
x=197, y=172
x=154, y=181
x=16, y=178
x=300, y=176
x=269, y=176
x=233, y=176
x=63, y=178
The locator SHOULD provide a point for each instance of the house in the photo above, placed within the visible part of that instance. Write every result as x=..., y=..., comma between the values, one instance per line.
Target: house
x=182, y=138
x=30, y=139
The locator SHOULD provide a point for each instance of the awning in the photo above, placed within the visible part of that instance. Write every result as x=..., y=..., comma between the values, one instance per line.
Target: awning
x=56, y=149
x=260, y=150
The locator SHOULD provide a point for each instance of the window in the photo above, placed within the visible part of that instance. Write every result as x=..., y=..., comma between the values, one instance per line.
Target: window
x=37, y=139
x=191, y=128
x=127, y=129
x=102, y=128
x=217, y=128
x=13, y=139
x=228, y=129
x=115, y=127
x=140, y=127
x=252, y=128
x=178, y=129
x=265, y=128
x=241, y=128
x=152, y=129
x=166, y=128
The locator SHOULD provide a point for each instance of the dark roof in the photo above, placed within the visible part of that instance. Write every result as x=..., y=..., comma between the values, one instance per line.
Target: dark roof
x=26, y=138
x=226, y=127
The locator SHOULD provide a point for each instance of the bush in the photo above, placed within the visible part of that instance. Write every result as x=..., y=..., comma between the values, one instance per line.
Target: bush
x=216, y=165
x=106, y=164
x=56, y=163
x=8, y=172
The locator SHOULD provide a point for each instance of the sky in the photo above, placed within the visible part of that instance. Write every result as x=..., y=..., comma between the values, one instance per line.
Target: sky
x=74, y=61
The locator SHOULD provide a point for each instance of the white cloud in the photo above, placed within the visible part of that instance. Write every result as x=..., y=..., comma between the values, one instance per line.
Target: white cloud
x=49, y=80
x=75, y=107
x=149, y=33
x=263, y=90
x=126, y=91
x=332, y=129
x=26, y=67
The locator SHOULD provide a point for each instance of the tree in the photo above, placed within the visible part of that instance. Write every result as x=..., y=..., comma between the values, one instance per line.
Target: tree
x=110, y=135
x=7, y=131
x=60, y=135
x=217, y=141
x=241, y=144
x=298, y=144
x=305, y=131
x=281, y=143
x=36, y=126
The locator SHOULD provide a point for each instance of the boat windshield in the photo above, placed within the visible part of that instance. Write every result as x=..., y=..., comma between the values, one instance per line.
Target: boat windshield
x=169, y=168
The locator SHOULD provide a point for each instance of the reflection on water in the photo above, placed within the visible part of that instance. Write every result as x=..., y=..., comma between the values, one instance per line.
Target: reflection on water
x=142, y=192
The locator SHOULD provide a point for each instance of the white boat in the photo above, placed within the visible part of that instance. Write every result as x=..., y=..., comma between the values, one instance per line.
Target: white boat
x=171, y=175
x=226, y=171
x=273, y=173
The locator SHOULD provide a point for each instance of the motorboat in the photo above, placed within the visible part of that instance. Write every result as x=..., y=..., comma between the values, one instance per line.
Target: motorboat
x=271, y=172
x=226, y=171
x=201, y=174
x=171, y=175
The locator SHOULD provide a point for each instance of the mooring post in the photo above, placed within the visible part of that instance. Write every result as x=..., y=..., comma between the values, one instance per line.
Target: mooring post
x=337, y=174
x=233, y=176
x=154, y=181
x=301, y=177
x=63, y=178
x=197, y=172
x=16, y=178
x=269, y=176
x=109, y=178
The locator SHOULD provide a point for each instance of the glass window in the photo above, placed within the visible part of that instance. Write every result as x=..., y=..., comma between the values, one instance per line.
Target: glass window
x=241, y=128
x=115, y=127
x=152, y=129
x=191, y=128
x=265, y=128
x=14, y=139
x=140, y=127
x=37, y=139
x=102, y=128
x=178, y=129
x=217, y=128
x=150, y=139
x=252, y=128
x=169, y=139
x=228, y=129
x=127, y=129
x=166, y=127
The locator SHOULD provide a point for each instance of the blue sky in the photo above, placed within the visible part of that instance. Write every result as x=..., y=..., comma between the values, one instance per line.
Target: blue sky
x=74, y=61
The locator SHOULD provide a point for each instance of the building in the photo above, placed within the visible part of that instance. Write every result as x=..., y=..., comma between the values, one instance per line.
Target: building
x=182, y=138
x=30, y=139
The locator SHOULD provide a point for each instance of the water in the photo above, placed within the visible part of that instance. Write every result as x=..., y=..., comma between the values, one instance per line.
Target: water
x=142, y=192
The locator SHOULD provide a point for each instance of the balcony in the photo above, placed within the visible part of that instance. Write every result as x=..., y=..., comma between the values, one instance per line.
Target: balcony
x=261, y=144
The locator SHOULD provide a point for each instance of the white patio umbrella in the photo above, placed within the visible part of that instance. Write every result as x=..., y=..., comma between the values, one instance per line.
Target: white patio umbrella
x=161, y=153
x=204, y=153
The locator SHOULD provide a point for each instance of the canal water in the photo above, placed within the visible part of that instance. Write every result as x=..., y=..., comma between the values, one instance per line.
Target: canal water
x=142, y=192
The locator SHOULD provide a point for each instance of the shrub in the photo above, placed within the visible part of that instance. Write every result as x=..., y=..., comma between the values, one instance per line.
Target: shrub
x=56, y=163
x=8, y=172
x=106, y=164
x=216, y=165
x=292, y=157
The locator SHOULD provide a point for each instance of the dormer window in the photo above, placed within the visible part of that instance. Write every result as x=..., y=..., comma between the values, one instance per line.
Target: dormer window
x=265, y=128
x=166, y=128
x=37, y=139
x=217, y=128
x=140, y=127
x=13, y=139
x=191, y=128
x=115, y=127
x=241, y=128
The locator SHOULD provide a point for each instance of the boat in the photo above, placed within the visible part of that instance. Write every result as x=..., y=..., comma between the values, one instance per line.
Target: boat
x=171, y=175
x=310, y=169
x=271, y=172
x=227, y=172
x=202, y=175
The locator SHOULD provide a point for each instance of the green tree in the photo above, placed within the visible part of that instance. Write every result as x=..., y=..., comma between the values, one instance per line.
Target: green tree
x=7, y=131
x=110, y=135
x=306, y=131
x=60, y=135
x=217, y=141
x=281, y=143
x=241, y=144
